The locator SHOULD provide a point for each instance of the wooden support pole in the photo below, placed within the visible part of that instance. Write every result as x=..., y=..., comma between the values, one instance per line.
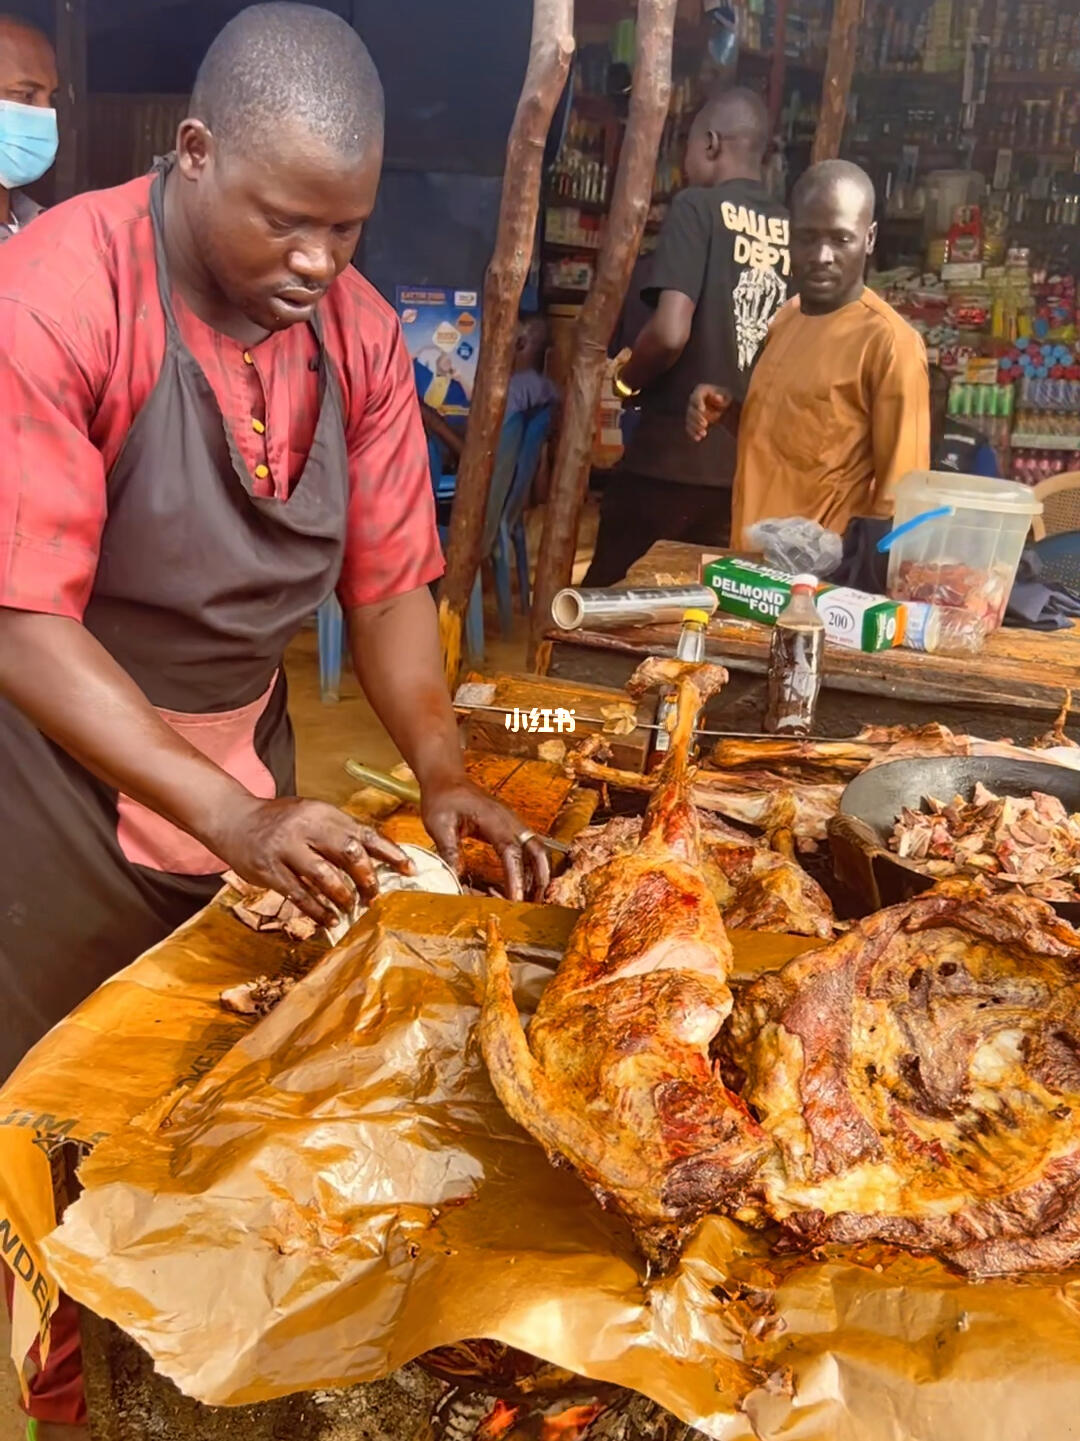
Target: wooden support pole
x=545, y=79
x=839, y=68
x=72, y=106
x=631, y=199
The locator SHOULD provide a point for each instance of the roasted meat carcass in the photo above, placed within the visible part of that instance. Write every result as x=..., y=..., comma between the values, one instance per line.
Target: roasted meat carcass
x=921, y=1082
x=615, y=1078
x=774, y=803
x=755, y=888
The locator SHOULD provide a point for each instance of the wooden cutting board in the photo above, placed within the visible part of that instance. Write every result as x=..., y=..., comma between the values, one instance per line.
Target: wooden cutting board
x=486, y=730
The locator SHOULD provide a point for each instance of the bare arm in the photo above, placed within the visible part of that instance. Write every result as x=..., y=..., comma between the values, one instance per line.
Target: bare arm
x=676, y=280
x=69, y=686
x=437, y=427
x=662, y=341
x=59, y=676
x=395, y=650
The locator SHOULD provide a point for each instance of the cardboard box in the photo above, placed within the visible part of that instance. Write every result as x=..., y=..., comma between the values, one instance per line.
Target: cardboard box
x=853, y=619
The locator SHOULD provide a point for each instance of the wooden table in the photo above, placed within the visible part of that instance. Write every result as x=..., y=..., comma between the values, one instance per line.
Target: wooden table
x=1014, y=688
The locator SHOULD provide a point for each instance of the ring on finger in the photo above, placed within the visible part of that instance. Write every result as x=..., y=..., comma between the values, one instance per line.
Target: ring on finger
x=353, y=850
x=524, y=837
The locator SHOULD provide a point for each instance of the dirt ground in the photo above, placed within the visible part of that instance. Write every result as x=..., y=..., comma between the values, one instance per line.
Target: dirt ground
x=146, y=1409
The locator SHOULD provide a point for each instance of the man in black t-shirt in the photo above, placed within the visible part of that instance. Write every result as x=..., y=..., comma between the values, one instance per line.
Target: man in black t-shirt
x=719, y=275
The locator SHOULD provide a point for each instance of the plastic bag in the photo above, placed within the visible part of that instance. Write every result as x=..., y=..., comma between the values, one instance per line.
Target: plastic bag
x=797, y=545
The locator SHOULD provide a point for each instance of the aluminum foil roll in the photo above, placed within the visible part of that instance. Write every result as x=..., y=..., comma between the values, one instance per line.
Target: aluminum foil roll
x=574, y=609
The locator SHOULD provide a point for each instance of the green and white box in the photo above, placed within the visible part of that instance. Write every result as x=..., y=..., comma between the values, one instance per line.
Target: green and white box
x=852, y=618
x=860, y=621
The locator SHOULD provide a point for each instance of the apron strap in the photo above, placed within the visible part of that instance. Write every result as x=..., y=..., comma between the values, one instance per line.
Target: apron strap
x=162, y=165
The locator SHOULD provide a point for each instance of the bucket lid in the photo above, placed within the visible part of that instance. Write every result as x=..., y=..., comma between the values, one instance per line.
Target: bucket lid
x=930, y=488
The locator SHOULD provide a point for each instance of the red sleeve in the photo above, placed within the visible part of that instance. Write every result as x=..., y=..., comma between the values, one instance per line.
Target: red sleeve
x=52, y=477
x=392, y=541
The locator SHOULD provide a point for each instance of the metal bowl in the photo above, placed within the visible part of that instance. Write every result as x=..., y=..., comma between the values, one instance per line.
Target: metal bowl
x=871, y=806
x=432, y=874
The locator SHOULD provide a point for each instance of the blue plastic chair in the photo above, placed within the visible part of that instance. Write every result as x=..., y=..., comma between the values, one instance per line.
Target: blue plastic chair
x=331, y=626
x=510, y=531
x=503, y=478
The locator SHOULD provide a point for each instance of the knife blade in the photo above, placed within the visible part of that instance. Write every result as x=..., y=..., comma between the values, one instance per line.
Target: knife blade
x=410, y=791
x=390, y=785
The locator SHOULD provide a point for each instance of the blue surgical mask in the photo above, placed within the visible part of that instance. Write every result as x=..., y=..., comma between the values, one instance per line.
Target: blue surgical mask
x=28, y=140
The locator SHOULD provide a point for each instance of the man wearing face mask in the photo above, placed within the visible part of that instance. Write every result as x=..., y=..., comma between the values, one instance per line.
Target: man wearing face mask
x=28, y=82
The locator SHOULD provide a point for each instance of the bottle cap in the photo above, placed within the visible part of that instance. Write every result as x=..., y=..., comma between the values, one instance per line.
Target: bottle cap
x=701, y=616
x=802, y=582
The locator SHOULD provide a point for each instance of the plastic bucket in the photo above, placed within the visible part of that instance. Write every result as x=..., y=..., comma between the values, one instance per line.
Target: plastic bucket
x=968, y=556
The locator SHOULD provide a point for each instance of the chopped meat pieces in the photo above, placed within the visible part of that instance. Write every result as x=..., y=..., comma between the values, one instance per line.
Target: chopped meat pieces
x=981, y=592
x=615, y=1078
x=262, y=910
x=920, y=1082
x=258, y=997
x=1031, y=841
x=787, y=787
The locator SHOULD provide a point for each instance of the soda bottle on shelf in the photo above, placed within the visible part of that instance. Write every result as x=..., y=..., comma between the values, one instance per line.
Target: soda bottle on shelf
x=795, y=662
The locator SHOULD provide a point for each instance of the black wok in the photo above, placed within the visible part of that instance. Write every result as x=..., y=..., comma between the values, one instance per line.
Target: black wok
x=871, y=805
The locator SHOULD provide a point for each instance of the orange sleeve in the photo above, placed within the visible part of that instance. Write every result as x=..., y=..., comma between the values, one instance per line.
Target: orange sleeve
x=900, y=413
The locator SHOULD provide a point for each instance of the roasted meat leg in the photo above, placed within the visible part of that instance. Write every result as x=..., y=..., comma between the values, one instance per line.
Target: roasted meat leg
x=615, y=1078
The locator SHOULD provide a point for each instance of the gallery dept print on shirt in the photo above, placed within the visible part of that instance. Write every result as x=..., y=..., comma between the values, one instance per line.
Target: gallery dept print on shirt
x=760, y=245
x=727, y=249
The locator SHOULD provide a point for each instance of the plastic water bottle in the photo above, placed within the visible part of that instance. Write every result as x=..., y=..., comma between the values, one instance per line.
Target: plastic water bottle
x=795, y=662
x=691, y=647
x=942, y=629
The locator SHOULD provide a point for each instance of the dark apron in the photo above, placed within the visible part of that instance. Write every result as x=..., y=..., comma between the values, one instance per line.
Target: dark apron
x=200, y=587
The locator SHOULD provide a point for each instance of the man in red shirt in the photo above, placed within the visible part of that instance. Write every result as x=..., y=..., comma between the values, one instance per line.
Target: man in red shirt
x=207, y=422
